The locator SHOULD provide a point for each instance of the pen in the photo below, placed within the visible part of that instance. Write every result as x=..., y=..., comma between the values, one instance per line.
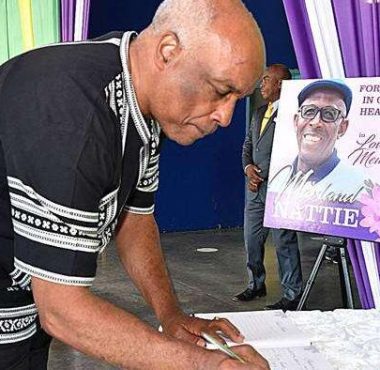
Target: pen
x=222, y=347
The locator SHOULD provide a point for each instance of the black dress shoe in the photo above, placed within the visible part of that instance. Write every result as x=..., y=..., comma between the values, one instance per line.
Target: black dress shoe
x=284, y=304
x=249, y=294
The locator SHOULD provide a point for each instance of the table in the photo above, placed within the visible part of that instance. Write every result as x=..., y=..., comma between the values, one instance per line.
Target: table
x=348, y=339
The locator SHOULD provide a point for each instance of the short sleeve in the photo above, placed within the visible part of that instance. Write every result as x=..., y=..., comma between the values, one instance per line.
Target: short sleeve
x=61, y=177
x=141, y=201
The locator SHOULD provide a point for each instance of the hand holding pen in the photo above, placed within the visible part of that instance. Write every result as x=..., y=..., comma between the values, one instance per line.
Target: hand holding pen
x=255, y=360
x=222, y=347
x=190, y=328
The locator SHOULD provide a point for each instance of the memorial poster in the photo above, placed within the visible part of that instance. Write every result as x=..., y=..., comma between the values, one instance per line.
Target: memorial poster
x=325, y=167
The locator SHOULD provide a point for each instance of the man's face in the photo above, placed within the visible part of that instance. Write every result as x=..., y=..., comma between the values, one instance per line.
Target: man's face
x=270, y=85
x=316, y=138
x=199, y=92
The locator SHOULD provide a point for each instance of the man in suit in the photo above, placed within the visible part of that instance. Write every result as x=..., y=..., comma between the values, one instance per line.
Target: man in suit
x=256, y=158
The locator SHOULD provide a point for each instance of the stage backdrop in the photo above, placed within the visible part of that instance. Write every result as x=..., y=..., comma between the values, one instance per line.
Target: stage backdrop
x=343, y=199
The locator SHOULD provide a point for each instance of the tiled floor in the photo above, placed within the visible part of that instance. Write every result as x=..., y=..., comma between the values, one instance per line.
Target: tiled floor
x=205, y=282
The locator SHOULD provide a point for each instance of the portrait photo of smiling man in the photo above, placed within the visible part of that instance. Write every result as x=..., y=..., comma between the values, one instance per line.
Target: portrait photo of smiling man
x=314, y=183
x=320, y=121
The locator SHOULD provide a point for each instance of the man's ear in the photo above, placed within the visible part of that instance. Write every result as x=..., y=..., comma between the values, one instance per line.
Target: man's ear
x=167, y=50
x=343, y=127
x=295, y=121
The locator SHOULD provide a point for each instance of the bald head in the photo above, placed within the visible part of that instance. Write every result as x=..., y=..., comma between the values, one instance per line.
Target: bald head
x=220, y=25
x=271, y=81
x=281, y=71
x=189, y=19
x=194, y=62
x=193, y=20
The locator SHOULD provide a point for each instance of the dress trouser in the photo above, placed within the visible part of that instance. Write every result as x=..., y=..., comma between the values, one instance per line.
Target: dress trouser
x=29, y=354
x=288, y=256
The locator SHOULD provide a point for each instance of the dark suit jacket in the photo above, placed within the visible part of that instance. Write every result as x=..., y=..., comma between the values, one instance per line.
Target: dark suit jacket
x=257, y=149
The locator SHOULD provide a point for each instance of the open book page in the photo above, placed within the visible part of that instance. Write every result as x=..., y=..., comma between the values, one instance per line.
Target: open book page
x=265, y=329
x=295, y=358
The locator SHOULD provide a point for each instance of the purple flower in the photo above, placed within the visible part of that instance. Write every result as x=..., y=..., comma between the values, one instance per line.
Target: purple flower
x=371, y=210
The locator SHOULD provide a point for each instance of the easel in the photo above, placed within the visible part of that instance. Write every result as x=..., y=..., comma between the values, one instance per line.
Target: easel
x=335, y=242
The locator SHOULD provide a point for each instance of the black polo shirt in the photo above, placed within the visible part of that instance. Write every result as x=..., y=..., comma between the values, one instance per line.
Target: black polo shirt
x=75, y=151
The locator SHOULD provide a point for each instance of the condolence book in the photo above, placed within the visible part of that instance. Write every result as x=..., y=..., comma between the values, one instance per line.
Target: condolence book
x=274, y=335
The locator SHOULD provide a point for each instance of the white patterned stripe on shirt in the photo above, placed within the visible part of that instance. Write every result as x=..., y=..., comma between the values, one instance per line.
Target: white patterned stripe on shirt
x=17, y=324
x=53, y=277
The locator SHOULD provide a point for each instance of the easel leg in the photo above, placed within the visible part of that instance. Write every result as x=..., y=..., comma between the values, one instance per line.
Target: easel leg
x=345, y=279
x=312, y=276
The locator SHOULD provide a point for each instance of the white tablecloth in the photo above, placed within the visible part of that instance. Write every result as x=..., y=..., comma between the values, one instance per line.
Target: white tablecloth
x=348, y=339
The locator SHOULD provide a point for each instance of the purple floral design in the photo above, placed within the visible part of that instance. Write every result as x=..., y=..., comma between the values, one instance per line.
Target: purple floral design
x=371, y=208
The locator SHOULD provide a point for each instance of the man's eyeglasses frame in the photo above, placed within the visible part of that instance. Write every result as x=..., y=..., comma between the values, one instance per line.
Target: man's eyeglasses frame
x=323, y=111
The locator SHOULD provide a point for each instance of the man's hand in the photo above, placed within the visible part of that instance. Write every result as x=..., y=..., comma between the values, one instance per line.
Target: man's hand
x=254, y=179
x=253, y=359
x=190, y=328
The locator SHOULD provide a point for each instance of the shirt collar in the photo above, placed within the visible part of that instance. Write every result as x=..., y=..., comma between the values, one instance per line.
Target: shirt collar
x=275, y=105
x=324, y=169
x=138, y=118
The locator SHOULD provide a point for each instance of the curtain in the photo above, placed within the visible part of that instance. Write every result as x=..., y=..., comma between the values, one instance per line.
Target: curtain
x=302, y=38
x=67, y=20
x=337, y=39
x=25, y=24
x=75, y=17
x=25, y=8
x=4, y=50
x=12, y=38
x=46, y=20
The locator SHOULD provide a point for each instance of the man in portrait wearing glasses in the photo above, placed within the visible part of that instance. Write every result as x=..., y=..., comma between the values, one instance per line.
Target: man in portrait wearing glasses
x=320, y=121
x=318, y=174
x=319, y=186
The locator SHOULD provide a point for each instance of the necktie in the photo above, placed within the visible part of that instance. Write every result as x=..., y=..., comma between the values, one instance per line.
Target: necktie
x=267, y=116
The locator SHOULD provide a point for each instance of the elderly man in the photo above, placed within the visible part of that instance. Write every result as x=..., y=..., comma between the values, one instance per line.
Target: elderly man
x=317, y=171
x=80, y=126
x=320, y=121
x=256, y=156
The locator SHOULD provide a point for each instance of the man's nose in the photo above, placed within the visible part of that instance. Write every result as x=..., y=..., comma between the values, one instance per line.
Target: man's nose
x=222, y=115
x=316, y=121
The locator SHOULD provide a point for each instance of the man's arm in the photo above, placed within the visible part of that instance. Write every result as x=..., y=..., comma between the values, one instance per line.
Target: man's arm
x=249, y=168
x=96, y=327
x=137, y=240
x=140, y=251
x=247, y=146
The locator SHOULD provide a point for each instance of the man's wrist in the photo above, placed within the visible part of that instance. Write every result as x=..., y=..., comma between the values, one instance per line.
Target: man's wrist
x=170, y=313
x=246, y=167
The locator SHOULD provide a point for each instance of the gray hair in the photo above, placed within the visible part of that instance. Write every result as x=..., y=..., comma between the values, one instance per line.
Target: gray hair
x=189, y=19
